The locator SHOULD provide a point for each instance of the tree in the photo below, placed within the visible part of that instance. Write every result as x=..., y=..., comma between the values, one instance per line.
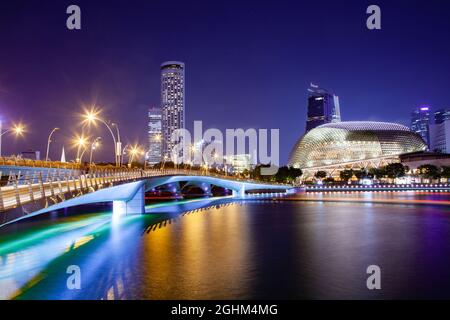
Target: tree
x=287, y=174
x=377, y=172
x=429, y=171
x=320, y=174
x=395, y=170
x=256, y=173
x=328, y=180
x=346, y=175
x=445, y=172
x=361, y=174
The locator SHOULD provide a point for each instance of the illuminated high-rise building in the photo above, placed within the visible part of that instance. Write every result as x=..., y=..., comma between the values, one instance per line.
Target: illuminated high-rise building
x=420, y=122
x=323, y=107
x=440, y=131
x=154, y=153
x=441, y=115
x=172, y=102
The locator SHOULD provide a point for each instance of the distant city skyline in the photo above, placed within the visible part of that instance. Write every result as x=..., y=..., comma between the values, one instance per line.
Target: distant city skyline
x=244, y=72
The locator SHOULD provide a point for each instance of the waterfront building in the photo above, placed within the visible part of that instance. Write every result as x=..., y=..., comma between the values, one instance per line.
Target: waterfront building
x=440, y=136
x=172, y=102
x=323, y=107
x=154, y=153
x=417, y=159
x=420, y=122
x=354, y=144
x=238, y=163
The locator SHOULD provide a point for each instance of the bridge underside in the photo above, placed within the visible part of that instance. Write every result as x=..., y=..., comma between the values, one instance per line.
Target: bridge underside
x=129, y=198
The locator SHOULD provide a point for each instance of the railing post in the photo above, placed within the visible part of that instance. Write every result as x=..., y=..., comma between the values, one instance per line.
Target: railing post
x=2, y=204
x=41, y=185
x=66, y=178
x=16, y=191
x=59, y=185
x=81, y=182
x=87, y=180
x=30, y=189
x=75, y=188
x=50, y=181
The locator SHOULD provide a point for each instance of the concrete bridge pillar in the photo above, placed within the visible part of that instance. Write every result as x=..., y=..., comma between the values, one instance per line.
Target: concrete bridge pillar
x=239, y=193
x=135, y=205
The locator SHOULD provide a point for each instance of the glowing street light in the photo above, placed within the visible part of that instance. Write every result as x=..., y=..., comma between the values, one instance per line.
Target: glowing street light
x=134, y=151
x=17, y=130
x=80, y=142
x=91, y=117
x=95, y=144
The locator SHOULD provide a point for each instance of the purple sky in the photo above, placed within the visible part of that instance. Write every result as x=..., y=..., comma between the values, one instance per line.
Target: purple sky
x=248, y=63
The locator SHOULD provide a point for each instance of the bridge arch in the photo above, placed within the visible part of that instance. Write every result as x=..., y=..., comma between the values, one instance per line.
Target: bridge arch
x=129, y=197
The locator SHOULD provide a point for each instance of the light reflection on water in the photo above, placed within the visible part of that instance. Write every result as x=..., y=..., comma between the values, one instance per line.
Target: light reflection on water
x=237, y=250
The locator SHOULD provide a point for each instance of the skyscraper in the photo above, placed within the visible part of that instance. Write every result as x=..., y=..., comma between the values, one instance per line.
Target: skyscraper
x=172, y=102
x=154, y=154
x=420, y=122
x=323, y=107
x=441, y=115
x=440, y=131
x=440, y=137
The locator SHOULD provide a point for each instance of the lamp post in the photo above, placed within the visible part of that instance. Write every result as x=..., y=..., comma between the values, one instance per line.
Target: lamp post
x=49, y=141
x=164, y=162
x=18, y=130
x=124, y=151
x=92, y=117
x=133, y=153
x=118, y=145
x=80, y=142
x=94, y=145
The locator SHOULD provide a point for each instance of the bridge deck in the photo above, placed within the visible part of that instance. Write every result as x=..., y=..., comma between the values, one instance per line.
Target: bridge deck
x=21, y=191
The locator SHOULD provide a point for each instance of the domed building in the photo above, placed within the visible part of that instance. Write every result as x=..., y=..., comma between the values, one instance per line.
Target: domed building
x=353, y=144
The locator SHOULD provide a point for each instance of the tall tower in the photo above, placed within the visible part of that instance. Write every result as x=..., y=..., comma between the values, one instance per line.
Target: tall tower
x=441, y=115
x=420, y=122
x=154, y=154
x=323, y=107
x=172, y=102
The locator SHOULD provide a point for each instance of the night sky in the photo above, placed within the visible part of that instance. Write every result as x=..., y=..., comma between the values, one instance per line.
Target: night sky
x=248, y=63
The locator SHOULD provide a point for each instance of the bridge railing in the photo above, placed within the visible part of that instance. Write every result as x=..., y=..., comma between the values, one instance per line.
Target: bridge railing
x=19, y=162
x=57, y=185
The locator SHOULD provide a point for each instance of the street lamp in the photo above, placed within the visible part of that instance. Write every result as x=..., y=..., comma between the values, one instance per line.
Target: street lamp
x=17, y=129
x=95, y=144
x=91, y=117
x=134, y=151
x=82, y=154
x=118, y=144
x=80, y=142
x=49, y=141
x=164, y=162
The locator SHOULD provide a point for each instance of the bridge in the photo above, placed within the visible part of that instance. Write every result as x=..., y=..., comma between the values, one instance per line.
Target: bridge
x=32, y=190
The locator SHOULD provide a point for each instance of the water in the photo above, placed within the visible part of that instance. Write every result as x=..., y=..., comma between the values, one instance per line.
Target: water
x=237, y=250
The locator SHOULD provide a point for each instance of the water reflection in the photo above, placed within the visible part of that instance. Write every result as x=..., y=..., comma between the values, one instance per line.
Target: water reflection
x=220, y=249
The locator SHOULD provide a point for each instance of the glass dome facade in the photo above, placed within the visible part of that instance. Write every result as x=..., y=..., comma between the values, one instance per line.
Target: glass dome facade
x=353, y=141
